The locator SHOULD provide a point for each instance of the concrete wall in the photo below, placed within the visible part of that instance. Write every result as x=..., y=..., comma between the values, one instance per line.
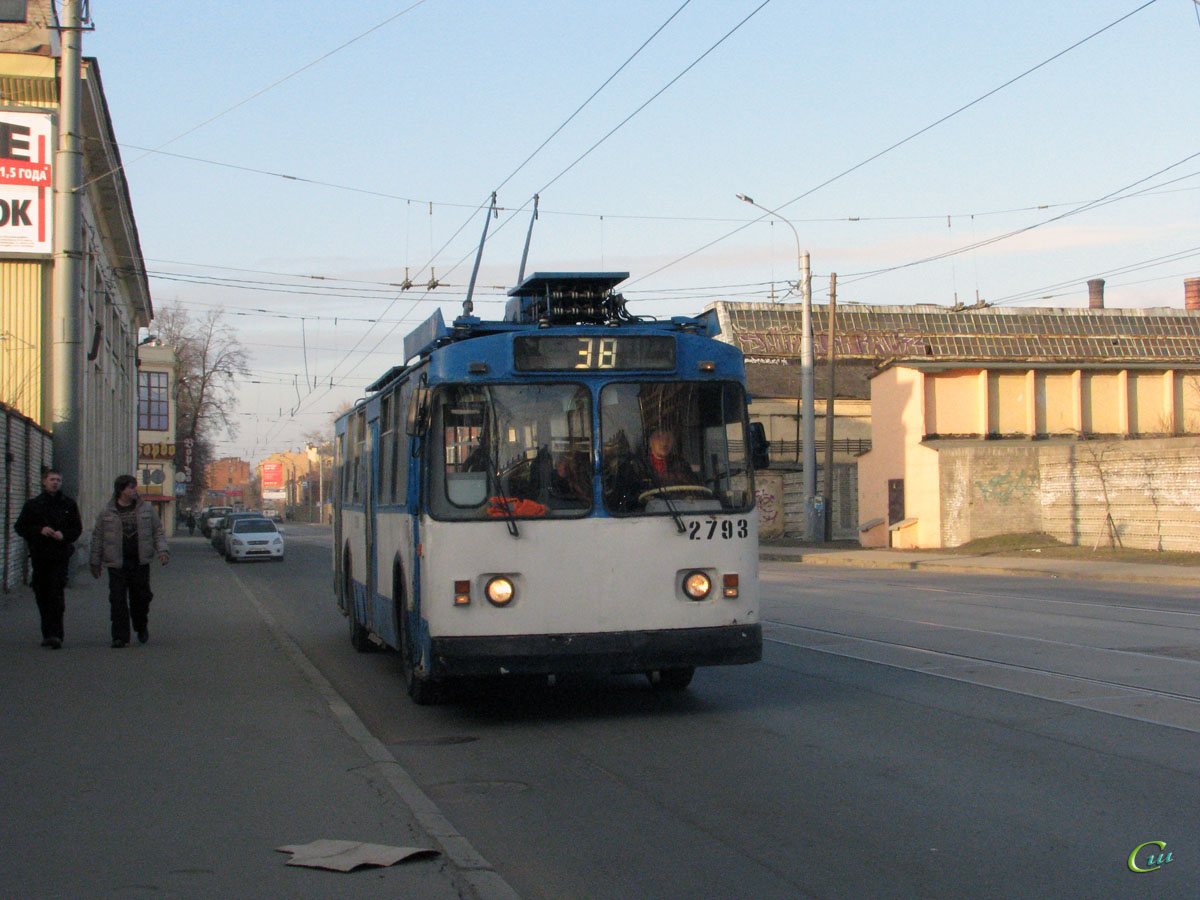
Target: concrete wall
x=898, y=425
x=1070, y=489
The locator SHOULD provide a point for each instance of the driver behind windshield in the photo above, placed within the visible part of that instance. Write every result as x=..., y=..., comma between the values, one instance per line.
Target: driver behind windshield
x=631, y=475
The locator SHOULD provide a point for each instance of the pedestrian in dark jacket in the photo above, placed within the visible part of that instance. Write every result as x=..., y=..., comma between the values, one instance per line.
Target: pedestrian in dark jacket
x=51, y=525
x=128, y=534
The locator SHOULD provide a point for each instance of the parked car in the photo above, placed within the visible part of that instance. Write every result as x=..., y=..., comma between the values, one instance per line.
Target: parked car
x=253, y=539
x=221, y=528
x=210, y=516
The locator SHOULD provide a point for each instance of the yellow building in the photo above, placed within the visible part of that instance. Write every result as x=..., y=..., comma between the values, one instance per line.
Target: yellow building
x=114, y=296
x=156, y=411
x=953, y=423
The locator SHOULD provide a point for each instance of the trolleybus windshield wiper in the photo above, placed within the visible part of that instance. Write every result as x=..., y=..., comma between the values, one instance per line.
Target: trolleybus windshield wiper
x=666, y=498
x=493, y=467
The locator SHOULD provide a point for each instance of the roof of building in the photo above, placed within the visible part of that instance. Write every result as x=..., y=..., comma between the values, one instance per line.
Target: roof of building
x=866, y=337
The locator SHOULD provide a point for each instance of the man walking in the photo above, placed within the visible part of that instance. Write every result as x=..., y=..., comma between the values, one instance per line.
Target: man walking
x=51, y=525
x=128, y=534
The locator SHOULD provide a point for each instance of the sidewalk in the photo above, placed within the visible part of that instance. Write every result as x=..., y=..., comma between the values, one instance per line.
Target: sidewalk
x=175, y=769
x=990, y=564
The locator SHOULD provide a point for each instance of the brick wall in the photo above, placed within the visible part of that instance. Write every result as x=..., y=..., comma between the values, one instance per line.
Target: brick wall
x=1140, y=494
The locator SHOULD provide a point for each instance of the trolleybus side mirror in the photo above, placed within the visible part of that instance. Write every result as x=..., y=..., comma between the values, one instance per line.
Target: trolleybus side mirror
x=760, y=455
x=418, y=412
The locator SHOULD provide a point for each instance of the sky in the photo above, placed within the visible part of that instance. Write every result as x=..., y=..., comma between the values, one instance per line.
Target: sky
x=293, y=163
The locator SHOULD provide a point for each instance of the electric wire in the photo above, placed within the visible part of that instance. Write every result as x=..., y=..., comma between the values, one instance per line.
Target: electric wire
x=258, y=93
x=1086, y=207
x=899, y=143
x=573, y=164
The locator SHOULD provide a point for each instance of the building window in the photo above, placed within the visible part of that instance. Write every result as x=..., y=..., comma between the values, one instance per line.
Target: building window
x=152, y=401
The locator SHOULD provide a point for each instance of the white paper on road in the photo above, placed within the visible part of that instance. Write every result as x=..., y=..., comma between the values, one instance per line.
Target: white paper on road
x=345, y=856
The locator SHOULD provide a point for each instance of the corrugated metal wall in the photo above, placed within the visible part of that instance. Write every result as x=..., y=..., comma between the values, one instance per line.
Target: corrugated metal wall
x=26, y=448
x=845, y=501
x=21, y=337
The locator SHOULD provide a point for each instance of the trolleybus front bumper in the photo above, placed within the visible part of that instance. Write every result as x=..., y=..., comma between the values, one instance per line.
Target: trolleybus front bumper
x=607, y=652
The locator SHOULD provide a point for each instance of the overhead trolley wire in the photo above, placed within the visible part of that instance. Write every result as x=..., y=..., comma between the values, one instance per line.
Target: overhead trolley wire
x=1086, y=207
x=901, y=142
x=542, y=146
x=259, y=92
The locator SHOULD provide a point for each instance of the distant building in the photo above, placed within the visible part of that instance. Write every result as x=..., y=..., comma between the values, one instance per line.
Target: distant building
x=156, y=410
x=1081, y=423
x=229, y=483
x=289, y=482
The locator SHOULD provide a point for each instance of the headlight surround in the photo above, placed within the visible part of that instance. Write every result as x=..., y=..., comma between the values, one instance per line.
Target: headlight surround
x=499, y=590
x=696, y=585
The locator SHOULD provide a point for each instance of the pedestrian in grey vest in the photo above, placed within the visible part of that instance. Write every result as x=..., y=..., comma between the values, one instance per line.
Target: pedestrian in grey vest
x=127, y=536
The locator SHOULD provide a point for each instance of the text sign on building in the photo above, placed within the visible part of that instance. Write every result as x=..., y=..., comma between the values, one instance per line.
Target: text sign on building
x=151, y=450
x=272, y=475
x=272, y=481
x=26, y=183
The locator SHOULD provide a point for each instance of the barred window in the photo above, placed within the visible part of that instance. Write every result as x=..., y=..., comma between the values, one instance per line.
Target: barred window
x=153, y=401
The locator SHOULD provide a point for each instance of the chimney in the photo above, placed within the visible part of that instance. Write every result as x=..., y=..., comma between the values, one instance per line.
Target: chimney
x=1096, y=293
x=1191, y=294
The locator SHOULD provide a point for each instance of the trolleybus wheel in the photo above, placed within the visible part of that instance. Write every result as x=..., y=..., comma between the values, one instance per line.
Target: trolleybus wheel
x=359, y=636
x=423, y=691
x=672, y=679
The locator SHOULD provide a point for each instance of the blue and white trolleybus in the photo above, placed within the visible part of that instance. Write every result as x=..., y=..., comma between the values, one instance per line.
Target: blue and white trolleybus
x=568, y=490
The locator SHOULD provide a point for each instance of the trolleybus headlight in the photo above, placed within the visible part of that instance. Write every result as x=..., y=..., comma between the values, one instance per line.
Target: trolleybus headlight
x=499, y=591
x=696, y=585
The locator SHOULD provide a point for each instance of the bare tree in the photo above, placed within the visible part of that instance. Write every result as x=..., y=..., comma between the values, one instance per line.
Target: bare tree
x=210, y=361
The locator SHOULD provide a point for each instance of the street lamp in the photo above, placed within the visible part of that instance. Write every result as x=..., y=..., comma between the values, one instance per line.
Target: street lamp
x=814, y=528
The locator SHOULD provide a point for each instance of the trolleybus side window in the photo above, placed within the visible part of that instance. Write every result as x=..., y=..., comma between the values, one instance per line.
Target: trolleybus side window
x=339, y=458
x=400, y=452
x=392, y=443
x=674, y=446
x=354, y=485
x=501, y=450
x=386, y=443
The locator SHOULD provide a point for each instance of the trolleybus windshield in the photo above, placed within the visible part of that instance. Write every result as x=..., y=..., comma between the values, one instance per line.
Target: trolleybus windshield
x=671, y=447
x=524, y=447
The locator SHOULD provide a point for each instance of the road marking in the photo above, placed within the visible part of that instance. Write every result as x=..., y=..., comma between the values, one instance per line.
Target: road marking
x=1174, y=710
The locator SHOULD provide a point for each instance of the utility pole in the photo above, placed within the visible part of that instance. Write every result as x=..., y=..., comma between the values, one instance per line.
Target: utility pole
x=66, y=315
x=830, y=397
x=812, y=515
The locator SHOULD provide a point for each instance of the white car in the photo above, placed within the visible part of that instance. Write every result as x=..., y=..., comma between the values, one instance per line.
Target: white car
x=211, y=516
x=253, y=539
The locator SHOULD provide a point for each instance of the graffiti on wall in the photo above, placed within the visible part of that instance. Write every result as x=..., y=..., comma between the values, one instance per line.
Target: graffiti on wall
x=865, y=344
x=1005, y=487
x=768, y=493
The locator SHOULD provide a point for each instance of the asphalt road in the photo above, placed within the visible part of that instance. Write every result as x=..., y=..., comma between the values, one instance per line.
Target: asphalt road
x=907, y=735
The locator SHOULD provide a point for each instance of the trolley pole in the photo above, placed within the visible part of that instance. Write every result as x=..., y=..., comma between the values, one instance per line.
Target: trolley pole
x=66, y=324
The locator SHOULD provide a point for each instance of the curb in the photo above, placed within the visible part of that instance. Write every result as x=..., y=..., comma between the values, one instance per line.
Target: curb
x=1090, y=573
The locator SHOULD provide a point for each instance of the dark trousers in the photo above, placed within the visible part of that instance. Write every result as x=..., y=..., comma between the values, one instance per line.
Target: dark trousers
x=129, y=596
x=49, y=579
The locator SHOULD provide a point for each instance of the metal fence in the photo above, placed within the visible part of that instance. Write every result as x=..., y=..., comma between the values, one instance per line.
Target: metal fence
x=27, y=448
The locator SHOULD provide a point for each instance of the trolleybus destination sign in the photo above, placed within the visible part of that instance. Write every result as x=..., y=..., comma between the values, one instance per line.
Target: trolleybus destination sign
x=26, y=183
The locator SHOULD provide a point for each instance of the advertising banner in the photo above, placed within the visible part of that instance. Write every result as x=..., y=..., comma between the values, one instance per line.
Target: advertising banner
x=26, y=183
x=272, y=476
